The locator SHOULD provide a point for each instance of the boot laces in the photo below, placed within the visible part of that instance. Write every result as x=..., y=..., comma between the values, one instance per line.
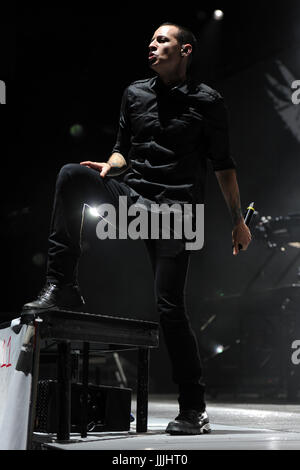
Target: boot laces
x=46, y=292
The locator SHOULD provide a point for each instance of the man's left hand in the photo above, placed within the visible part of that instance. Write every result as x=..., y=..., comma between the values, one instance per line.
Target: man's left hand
x=241, y=235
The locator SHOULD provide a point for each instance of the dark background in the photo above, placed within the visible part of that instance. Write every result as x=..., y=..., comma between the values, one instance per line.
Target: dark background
x=69, y=65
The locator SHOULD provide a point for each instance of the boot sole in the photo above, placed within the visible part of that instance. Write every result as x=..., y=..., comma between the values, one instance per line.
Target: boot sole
x=32, y=311
x=178, y=430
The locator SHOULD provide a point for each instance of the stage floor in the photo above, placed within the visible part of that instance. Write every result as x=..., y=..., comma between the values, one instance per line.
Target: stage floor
x=235, y=426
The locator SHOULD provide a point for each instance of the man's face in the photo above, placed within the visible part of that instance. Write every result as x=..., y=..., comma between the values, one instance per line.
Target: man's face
x=164, y=49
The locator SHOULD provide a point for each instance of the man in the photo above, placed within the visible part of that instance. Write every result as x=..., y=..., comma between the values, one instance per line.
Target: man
x=169, y=126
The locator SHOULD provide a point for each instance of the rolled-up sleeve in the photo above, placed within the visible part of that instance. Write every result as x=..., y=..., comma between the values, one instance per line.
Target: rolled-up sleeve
x=217, y=135
x=123, y=141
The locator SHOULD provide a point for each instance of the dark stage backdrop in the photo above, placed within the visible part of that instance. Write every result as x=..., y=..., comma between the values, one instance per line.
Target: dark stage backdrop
x=243, y=296
x=62, y=68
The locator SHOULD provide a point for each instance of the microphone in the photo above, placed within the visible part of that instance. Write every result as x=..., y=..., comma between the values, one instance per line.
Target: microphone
x=249, y=214
x=248, y=217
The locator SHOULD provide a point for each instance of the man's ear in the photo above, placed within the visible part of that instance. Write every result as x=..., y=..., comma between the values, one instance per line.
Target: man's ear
x=186, y=49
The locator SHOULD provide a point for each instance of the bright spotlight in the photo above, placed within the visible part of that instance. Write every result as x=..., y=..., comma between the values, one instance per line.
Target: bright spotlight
x=218, y=14
x=219, y=349
x=93, y=211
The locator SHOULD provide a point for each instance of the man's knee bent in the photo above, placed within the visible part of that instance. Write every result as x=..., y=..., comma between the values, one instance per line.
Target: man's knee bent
x=72, y=169
x=76, y=174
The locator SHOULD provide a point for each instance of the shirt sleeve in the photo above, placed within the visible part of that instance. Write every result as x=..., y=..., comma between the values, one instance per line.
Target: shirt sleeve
x=123, y=141
x=217, y=135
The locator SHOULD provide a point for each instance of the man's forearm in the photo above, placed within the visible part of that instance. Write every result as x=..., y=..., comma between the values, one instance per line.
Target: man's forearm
x=228, y=183
x=118, y=164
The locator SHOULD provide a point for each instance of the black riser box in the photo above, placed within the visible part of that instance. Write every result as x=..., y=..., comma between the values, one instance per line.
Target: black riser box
x=108, y=407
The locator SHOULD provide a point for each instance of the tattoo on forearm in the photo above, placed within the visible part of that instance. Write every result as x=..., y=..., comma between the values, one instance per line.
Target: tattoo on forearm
x=114, y=164
x=116, y=161
x=229, y=186
x=236, y=213
x=235, y=208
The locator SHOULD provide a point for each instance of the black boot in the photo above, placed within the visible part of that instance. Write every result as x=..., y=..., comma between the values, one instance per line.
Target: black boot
x=189, y=422
x=52, y=296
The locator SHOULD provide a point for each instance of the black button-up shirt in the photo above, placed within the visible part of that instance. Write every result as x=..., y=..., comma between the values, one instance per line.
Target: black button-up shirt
x=167, y=134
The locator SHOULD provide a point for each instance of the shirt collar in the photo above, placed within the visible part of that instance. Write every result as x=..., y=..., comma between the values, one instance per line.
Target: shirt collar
x=158, y=85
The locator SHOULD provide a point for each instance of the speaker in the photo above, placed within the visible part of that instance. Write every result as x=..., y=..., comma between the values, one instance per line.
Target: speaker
x=108, y=407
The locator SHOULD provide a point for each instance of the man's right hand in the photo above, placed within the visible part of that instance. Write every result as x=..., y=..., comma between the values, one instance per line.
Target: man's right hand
x=103, y=168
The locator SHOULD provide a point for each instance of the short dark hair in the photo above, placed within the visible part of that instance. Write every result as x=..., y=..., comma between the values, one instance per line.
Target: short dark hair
x=184, y=36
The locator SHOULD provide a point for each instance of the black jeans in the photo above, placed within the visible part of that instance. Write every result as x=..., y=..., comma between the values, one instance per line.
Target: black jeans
x=76, y=185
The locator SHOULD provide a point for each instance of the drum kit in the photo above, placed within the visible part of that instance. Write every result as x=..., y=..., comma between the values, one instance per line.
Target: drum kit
x=279, y=231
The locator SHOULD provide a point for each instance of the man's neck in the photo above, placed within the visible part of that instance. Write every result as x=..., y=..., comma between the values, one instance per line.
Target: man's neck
x=173, y=80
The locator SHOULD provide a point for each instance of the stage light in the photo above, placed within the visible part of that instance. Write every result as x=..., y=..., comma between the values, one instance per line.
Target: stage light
x=77, y=131
x=219, y=349
x=94, y=212
x=218, y=15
